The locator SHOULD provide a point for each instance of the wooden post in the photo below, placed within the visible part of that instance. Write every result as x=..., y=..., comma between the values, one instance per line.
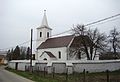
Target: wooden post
x=53, y=72
x=66, y=74
x=31, y=51
x=44, y=71
x=25, y=67
x=84, y=75
x=107, y=72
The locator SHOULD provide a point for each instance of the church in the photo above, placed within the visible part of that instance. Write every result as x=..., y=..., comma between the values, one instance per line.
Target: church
x=60, y=48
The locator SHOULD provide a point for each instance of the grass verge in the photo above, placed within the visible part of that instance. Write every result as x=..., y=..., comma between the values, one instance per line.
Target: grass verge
x=31, y=76
x=76, y=77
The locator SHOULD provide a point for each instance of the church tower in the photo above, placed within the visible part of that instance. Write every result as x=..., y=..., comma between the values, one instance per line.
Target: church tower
x=43, y=31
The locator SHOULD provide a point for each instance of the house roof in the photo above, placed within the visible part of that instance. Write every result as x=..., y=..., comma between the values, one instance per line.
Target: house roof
x=49, y=54
x=2, y=56
x=63, y=41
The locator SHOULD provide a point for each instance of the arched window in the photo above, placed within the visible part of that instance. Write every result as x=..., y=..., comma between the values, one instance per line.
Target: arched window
x=59, y=53
x=45, y=59
x=48, y=34
x=40, y=34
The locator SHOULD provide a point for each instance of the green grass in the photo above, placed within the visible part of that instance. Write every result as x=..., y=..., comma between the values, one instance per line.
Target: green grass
x=76, y=77
x=32, y=76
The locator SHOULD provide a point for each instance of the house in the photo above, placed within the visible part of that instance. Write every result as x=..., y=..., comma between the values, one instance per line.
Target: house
x=2, y=59
x=57, y=48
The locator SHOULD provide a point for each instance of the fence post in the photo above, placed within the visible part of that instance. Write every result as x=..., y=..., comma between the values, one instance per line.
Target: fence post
x=84, y=75
x=32, y=69
x=53, y=71
x=66, y=74
x=73, y=71
x=25, y=67
x=44, y=71
x=108, y=80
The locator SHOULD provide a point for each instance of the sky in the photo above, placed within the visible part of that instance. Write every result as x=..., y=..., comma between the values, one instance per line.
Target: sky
x=17, y=17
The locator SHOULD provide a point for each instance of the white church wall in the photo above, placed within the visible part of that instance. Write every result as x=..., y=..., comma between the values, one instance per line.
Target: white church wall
x=44, y=35
x=55, y=52
x=43, y=56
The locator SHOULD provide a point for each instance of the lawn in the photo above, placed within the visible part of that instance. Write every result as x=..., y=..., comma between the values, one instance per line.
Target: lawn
x=76, y=77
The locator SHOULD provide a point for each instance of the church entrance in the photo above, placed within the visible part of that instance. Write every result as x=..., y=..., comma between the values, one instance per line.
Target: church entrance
x=45, y=59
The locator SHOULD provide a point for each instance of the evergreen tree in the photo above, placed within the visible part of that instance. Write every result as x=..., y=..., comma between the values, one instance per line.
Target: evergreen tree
x=16, y=53
x=28, y=53
x=8, y=55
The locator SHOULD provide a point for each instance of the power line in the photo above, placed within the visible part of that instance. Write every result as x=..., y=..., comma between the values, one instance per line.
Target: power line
x=103, y=19
x=106, y=21
x=92, y=23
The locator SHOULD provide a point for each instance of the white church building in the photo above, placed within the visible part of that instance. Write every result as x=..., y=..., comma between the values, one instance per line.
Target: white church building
x=60, y=53
x=55, y=48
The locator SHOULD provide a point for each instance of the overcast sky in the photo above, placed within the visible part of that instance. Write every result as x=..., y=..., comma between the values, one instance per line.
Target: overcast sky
x=17, y=17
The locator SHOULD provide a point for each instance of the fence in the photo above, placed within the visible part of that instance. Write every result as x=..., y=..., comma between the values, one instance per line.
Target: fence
x=76, y=66
x=84, y=76
x=73, y=71
x=79, y=66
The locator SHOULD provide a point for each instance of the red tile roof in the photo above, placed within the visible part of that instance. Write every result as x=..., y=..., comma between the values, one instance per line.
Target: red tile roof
x=63, y=41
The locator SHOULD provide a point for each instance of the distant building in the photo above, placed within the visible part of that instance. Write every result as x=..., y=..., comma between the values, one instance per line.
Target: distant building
x=3, y=57
x=56, y=48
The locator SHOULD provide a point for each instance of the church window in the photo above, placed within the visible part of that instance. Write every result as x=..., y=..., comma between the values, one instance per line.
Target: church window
x=59, y=54
x=40, y=34
x=47, y=34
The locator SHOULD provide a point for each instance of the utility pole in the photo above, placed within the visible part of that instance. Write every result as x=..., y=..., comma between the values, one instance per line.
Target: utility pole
x=31, y=50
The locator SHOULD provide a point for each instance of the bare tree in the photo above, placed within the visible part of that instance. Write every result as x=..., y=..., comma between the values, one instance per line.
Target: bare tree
x=23, y=52
x=92, y=41
x=114, y=40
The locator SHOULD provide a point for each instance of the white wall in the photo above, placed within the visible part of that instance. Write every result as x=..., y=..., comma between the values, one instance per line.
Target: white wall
x=54, y=51
x=21, y=64
x=41, y=66
x=96, y=66
x=76, y=66
x=79, y=66
x=59, y=67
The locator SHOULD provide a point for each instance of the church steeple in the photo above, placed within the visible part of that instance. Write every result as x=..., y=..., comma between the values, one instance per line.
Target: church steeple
x=43, y=31
x=44, y=20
